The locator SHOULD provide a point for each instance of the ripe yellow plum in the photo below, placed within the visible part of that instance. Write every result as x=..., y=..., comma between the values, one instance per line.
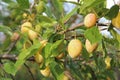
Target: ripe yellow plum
x=60, y=56
x=107, y=62
x=43, y=43
x=25, y=27
x=65, y=77
x=38, y=58
x=45, y=72
x=116, y=21
x=90, y=20
x=74, y=48
x=90, y=47
x=32, y=34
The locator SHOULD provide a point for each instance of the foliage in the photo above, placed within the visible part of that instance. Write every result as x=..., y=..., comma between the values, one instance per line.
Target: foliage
x=50, y=22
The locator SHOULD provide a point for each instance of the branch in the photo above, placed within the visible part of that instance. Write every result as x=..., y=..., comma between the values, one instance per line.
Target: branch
x=81, y=35
x=10, y=47
x=69, y=75
x=29, y=71
x=78, y=25
x=72, y=28
x=13, y=57
x=93, y=74
x=14, y=38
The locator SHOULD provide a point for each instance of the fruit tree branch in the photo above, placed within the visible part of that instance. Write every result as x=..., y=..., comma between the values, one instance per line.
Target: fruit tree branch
x=78, y=25
x=72, y=28
x=15, y=38
x=13, y=57
x=11, y=47
x=29, y=71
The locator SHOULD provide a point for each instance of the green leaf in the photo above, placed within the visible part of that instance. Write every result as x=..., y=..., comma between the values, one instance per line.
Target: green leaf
x=47, y=52
x=57, y=71
x=99, y=62
x=23, y=40
x=86, y=4
x=4, y=46
x=6, y=30
x=112, y=41
x=85, y=54
x=89, y=5
x=49, y=60
x=54, y=37
x=58, y=8
x=47, y=25
x=40, y=7
x=10, y=68
x=47, y=34
x=111, y=74
x=75, y=71
x=18, y=64
x=7, y=1
x=5, y=79
x=67, y=17
x=57, y=5
x=113, y=12
x=104, y=48
x=115, y=35
x=48, y=11
x=46, y=21
x=98, y=2
x=23, y=3
x=26, y=53
x=93, y=35
x=57, y=48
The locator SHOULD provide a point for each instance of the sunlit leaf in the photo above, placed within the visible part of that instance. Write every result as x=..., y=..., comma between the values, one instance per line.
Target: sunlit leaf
x=93, y=35
x=10, y=68
x=47, y=52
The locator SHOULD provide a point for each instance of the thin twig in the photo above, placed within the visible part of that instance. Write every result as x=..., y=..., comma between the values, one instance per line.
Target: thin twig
x=72, y=28
x=103, y=29
x=12, y=45
x=118, y=51
x=76, y=26
x=81, y=35
x=32, y=5
x=93, y=74
x=69, y=75
x=29, y=71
